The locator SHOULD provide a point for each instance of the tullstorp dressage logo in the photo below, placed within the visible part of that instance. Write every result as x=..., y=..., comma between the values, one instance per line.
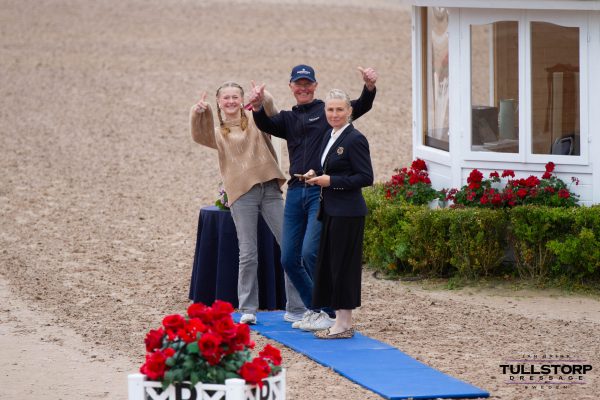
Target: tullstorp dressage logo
x=546, y=371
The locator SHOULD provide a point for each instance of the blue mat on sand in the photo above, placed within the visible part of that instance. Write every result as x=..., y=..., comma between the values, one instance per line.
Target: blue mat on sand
x=377, y=366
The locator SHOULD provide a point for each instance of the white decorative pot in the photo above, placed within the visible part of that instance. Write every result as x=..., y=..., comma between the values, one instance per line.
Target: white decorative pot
x=234, y=389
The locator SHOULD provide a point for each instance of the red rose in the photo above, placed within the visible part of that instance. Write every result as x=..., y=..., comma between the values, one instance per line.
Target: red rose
x=173, y=322
x=154, y=339
x=221, y=308
x=209, y=347
x=224, y=327
x=271, y=353
x=193, y=327
x=522, y=193
x=550, y=167
x=169, y=352
x=242, y=335
x=494, y=175
x=195, y=310
x=547, y=175
x=508, y=172
x=254, y=372
x=154, y=367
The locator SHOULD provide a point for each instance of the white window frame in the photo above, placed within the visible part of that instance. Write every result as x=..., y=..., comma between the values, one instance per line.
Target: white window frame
x=524, y=18
x=481, y=17
x=576, y=19
x=420, y=149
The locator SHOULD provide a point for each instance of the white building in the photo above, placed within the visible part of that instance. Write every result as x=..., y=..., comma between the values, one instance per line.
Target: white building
x=509, y=84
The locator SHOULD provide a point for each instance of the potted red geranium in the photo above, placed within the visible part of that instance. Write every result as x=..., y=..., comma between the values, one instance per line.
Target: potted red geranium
x=550, y=190
x=206, y=351
x=411, y=185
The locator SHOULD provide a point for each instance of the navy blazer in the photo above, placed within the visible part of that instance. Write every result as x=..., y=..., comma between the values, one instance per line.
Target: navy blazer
x=348, y=163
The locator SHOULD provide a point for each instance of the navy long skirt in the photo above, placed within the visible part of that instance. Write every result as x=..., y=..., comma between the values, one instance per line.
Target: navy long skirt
x=339, y=263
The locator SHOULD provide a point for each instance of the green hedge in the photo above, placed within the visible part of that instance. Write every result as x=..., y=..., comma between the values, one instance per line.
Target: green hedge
x=527, y=241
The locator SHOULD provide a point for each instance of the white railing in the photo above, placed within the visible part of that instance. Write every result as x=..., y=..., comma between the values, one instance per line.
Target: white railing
x=234, y=389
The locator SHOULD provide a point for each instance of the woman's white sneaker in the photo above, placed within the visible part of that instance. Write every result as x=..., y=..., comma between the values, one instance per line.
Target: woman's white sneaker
x=249, y=319
x=293, y=317
x=318, y=322
x=308, y=316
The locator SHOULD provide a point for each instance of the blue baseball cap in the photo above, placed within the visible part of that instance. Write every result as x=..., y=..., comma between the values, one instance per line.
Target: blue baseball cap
x=302, y=72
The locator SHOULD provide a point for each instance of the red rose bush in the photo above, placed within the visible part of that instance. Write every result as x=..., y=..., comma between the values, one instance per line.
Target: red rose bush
x=206, y=346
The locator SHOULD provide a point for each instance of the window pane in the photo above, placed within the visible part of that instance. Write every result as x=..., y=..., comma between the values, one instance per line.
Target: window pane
x=555, y=89
x=435, y=65
x=495, y=87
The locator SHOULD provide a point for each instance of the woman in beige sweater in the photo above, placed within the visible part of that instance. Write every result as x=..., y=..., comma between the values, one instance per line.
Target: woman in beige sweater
x=252, y=179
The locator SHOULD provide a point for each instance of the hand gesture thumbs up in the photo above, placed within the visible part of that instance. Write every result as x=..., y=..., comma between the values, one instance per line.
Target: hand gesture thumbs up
x=369, y=76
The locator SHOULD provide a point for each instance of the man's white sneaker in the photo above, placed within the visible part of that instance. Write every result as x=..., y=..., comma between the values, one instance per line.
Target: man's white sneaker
x=248, y=319
x=321, y=321
x=307, y=317
x=293, y=317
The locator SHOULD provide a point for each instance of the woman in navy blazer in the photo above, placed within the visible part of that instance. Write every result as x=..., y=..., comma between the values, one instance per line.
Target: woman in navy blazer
x=347, y=169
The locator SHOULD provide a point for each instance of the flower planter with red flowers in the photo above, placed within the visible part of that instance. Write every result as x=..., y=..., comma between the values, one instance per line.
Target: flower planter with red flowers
x=488, y=193
x=205, y=355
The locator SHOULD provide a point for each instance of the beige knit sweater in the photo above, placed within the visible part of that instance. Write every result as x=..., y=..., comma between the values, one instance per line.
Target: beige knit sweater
x=245, y=157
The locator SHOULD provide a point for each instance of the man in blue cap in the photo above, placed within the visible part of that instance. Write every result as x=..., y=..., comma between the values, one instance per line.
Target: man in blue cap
x=303, y=128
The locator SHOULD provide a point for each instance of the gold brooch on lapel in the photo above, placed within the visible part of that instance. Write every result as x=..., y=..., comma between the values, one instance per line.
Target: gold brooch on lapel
x=340, y=151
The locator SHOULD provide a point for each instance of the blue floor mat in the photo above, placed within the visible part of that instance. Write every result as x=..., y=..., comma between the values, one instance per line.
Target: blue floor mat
x=377, y=366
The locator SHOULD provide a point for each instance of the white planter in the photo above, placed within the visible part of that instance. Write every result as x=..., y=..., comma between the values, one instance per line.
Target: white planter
x=233, y=389
x=437, y=203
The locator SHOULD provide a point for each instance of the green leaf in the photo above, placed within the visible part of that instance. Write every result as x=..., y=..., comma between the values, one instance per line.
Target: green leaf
x=168, y=377
x=194, y=378
x=231, y=375
x=178, y=376
x=189, y=364
x=192, y=348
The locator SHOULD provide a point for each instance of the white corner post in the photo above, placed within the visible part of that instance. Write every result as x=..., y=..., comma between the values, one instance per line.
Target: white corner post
x=135, y=386
x=234, y=389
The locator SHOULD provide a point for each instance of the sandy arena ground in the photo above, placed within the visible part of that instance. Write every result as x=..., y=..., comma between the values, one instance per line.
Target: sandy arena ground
x=101, y=186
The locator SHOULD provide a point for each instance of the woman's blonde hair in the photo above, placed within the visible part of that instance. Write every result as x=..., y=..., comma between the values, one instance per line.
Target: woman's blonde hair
x=244, y=120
